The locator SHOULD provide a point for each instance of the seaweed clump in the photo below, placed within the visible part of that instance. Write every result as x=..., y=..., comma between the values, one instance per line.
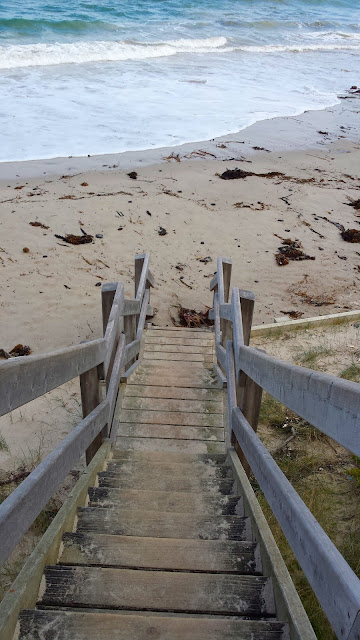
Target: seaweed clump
x=290, y=250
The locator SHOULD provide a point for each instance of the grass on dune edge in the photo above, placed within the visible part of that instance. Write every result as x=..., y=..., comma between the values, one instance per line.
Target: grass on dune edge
x=327, y=478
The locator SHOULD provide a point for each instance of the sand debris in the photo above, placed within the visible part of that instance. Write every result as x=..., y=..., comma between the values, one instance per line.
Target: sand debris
x=192, y=319
x=39, y=224
x=18, y=350
x=290, y=250
x=70, y=238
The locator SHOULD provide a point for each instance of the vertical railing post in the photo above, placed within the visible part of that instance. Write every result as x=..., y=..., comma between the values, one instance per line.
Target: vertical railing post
x=249, y=394
x=90, y=398
x=247, y=302
x=224, y=275
x=107, y=298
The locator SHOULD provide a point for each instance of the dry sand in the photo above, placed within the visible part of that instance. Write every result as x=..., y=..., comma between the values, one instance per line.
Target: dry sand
x=49, y=296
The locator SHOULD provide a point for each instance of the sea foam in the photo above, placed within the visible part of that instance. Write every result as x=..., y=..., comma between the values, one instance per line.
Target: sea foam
x=45, y=54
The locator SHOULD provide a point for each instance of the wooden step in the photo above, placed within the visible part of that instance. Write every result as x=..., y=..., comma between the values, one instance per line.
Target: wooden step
x=158, y=591
x=149, y=469
x=180, y=341
x=171, y=404
x=176, y=393
x=181, y=502
x=179, y=332
x=160, y=553
x=154, y=481
x=70, y=625
x=172, y=417
x=160, y=379
x=174, y=357
x=177, y=368
x=173, y=458
x=162, y=524
x=177, y=348
x=170, y=445
x=133, y=430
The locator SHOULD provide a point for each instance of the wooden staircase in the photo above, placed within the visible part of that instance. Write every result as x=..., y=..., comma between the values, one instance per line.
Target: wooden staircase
x=163, y=549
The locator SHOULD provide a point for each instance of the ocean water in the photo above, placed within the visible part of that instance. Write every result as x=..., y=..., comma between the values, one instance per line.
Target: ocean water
x=104, y=76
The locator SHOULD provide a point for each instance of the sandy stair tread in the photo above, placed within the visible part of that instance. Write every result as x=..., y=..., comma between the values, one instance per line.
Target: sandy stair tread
x=174, y=501
x=175, y=393
x=67, y=625
x=171, y=404
x=162, y=524
x=157, y=482
x=170, y=445
x=170, y=431
x=114, y=588
x=97, y=549
x=150, y=469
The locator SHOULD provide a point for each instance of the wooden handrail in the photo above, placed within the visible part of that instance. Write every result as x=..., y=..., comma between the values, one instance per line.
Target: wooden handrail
x=333, y=581
x=330, y=404
x=24, y=504
x=26, y=378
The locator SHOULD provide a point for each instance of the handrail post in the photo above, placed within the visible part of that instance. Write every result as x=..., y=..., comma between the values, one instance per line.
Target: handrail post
x=248, y=393
x=247, y=303
x=224, y=291
x=107, y=299
x=90, y=399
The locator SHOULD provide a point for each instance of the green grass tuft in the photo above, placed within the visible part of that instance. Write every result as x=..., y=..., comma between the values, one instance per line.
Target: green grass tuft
x=351, y=372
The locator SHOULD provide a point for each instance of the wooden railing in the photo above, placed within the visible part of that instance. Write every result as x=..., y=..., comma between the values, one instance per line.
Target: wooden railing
x=25, y=378
x=329, y=403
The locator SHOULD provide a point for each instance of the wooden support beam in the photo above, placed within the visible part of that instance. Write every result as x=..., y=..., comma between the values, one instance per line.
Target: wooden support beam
x=90, y=399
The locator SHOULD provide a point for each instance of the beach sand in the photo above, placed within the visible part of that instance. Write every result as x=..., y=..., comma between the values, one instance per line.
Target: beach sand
x=51, y=295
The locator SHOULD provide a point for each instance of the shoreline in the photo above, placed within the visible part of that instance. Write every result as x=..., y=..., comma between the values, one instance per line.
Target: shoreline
x=51, y=293
x=282, y=133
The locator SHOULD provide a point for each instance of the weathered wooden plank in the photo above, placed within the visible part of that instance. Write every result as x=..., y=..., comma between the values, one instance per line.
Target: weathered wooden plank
x=113, y=328
x=173, y=356
x=143, y=314
x=131, y=350
x=178, y=368
x=149, y=468
x=141, y=268
x=173, y=339
x=155, y=482
x=327, y=402
x=28, y=377
x=131, y=307
x=174, y=348
x=163, y=380
x=113, y=388
x=90, y=399
x=176, y=554
x=177, y=432
x=172, y=417
x=174, y=458
x=171, y=404
x=238, y=337
x=158, y=590
x=24, y=504
x=171, y=332
x=45, y=625
x=162, y=524
x=23, y=591
x=334, y=583
x=107, y=296
x=176, y=393
x=170, y=445
x=174, y=501
x=221, y=356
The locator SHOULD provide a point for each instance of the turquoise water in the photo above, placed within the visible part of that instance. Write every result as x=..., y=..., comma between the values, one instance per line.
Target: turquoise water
x=80, y=78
